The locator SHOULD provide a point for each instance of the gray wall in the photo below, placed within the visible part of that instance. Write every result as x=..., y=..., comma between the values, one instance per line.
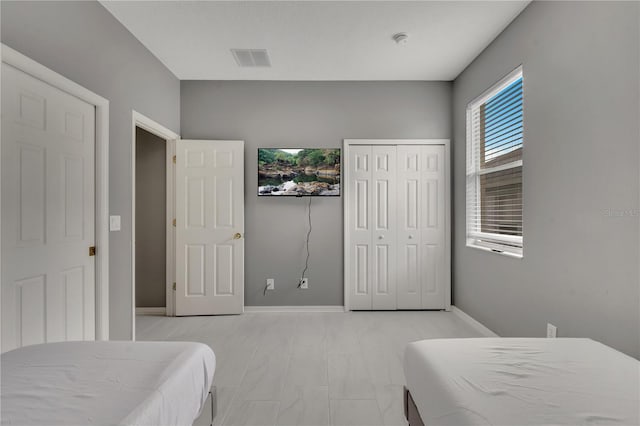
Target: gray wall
x=580, y=265
x=305, y=114
x=85, y=43
x=151, y=220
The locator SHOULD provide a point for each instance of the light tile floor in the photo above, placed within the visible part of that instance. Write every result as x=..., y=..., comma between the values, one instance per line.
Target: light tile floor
x=308, y=368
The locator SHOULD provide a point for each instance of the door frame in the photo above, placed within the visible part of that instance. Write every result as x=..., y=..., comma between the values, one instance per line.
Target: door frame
x=27, y=65
x=170, y=137
x=347, y=143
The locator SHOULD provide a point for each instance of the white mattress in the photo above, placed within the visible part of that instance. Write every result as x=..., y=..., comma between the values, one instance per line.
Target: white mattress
x=514, y=381
x=106, y=383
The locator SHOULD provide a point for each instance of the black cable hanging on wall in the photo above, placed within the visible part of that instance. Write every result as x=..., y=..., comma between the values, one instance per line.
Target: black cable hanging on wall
x=306, y=262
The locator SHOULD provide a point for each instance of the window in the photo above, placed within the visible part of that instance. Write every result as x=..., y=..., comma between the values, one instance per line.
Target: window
x=494, y=167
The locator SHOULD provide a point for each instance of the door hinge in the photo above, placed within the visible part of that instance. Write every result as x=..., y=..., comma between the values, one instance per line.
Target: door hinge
x=174, y=222
x=92, y=251
x=174, y=286
x=174, y=159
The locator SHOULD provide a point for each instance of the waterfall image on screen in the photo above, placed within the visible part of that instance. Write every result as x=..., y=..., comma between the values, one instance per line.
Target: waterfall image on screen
x=299, y=172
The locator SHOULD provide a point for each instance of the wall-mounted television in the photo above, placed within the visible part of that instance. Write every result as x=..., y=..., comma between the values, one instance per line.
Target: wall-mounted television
x=298, y=172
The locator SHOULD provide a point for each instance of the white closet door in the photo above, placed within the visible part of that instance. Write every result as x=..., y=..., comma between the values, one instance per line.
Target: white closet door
x=48, y=275
x=384, y=227
x=409, y=226
x=396, y=227
x=360, y=226
x=209, y=227
x=432, y=227
x=421, y=233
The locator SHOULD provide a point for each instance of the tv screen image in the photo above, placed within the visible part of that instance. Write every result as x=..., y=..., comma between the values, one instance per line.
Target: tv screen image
x=299, y=171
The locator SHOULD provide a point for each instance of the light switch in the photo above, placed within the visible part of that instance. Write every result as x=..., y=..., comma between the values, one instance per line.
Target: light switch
x=114, y=223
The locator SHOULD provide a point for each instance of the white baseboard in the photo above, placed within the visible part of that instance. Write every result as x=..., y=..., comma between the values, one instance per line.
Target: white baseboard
x=152, y=311
x=477, y=325
x=310, y=308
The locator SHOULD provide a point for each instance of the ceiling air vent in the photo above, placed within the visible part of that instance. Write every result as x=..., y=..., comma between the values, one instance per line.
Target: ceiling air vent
x=251, y=57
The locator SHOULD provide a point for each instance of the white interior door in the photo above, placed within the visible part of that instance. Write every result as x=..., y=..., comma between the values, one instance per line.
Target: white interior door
x=432, y=228
x=48, y=275
x=209, y=227
x=372, y=225
x=409, y=205
x=396, y=227
x=421, y=233
x=383, y=270
x=359, y=225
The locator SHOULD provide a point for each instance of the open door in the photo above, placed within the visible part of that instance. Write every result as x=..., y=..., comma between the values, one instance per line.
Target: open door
x=48, y=213
x=209, y=227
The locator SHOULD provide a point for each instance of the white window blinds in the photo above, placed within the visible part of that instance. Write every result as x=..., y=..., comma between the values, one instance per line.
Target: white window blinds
x=494, y=167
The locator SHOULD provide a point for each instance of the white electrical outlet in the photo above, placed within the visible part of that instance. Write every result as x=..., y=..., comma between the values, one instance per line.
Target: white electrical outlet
x=271, y=284
x=304, y=283
x=552, y=330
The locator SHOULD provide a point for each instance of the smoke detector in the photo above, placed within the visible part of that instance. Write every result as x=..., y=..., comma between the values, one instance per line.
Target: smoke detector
x=401, y=38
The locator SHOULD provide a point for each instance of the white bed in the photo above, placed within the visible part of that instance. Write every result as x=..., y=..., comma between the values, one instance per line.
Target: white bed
x=106, y=383
x=518, y=381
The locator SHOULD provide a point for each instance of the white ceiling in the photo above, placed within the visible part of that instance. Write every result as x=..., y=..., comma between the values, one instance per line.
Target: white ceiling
x=316, y=40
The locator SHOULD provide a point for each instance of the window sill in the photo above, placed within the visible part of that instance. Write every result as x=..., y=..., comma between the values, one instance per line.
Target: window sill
x=495, y=251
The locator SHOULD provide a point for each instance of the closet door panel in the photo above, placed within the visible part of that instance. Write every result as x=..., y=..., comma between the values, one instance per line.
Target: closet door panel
x=384, y=227
x=432, y=235
x=360, y=226
x=409, y=222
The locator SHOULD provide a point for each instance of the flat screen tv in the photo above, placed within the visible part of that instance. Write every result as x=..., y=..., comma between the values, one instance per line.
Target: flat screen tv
x=299, y=172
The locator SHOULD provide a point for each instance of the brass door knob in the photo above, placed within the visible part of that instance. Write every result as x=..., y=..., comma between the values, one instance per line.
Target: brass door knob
x=237, y=236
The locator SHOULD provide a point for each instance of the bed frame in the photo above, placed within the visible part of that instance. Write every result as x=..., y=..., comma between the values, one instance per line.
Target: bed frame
x=213, y=396
x=410, y=410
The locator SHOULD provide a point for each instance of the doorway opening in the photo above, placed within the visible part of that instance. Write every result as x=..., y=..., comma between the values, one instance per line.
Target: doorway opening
x=153, y=219
x=151, y=229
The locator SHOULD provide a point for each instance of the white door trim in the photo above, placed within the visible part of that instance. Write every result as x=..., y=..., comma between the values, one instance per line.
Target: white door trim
x=347, y=143
x=29, y=66
x=140, y=120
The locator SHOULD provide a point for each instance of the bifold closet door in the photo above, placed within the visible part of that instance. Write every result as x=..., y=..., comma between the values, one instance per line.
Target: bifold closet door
x=384, y=232
x=372, y=224
x=421, y=227
x=396, y=222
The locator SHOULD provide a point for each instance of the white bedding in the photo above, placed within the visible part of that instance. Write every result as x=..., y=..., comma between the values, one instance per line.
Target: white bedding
x=106, y=383
x=517, y=381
